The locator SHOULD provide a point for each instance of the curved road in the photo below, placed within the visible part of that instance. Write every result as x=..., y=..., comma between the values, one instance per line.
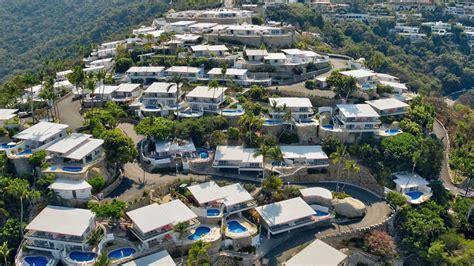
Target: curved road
x=280, y=247
x=445, y=176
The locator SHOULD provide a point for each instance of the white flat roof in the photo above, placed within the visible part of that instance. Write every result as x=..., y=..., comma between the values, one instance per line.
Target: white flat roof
x=184, y=69
x=316, y=191
x=291, y=102
x=210, y=48
x=359, y=73
x=207, y=192
x=161, y=87
x=236, y=153
x=145, y=69
x=127, y=87
x=314, y=152
x=182, y=23
x=69, y=184
x=62, y=220
x=206, y=92
x=160, y=258
x=235, y=194
x=105, y=89
x=394, y=85
x=68, y=143
x=256, y=52
x=293, y=51
x=203, y=25
x=285, y=211
x=229, y=71
x=357, y=110
x=83, y=150
x=41, y=131
x=155, y=216
x=275, y=56
x=6, y=114
x=409, y=180
x=387, y=103
x=318, y=253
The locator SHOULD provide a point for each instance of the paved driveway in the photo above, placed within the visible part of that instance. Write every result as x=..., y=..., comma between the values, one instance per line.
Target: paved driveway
x=69, y=112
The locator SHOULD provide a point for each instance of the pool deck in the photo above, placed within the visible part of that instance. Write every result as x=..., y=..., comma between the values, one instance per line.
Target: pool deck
x=213, y=235
x=251, y=229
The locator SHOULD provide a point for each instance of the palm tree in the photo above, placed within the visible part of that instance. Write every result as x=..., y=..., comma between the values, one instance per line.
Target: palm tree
x=77, y=78
x=350, y=166
x=20, y=189
x=103, y=260
x=415, y=159
x=5, y=252
x=180, y=228
x=275, y=155
x=251, y=123
x=178, y=81
x=100, y=76
x=338, y=158
x=90, y=84
x=29, y=80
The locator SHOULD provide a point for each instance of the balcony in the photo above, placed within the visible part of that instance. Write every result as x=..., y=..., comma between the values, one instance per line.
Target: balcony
x=41, y=236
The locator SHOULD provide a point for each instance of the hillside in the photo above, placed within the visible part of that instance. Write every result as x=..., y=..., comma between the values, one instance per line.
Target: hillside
x=35, y=31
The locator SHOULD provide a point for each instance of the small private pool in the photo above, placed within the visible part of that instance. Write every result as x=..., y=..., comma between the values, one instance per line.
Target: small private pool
x=152, y=107
x=414, y=195
x=121, y=253
x=82, y=257
x=74, y=169
x=232, y=112
x=272, y=122
x=36, y=260
x=330, y=127
x=203, y=154
x=213, y=212
x=279, y=164
x=392, y=132
x=199, y=233
x=320, y=213
x=235, y=227
x=9, y=145
x=25, y=152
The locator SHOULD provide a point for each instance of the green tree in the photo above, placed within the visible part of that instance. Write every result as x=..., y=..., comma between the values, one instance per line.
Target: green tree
x=37, y=158
x=123, y=64
x=119, y=148
x=380, y=243
x=103, y=260
x=95, y=237
x=158, y=127
x=5, y=252
x=97, y=182
x=178, y=81
x=181, y=229
x=20, y=189
x=398, y=151
x=217, y=138
x=272, y=183
x=198, y=253
x=343, y=85
x=411, y=127
x=396, y=199
x=330, y=143
x=113, y=210
x=77, y=78
x=339, y=158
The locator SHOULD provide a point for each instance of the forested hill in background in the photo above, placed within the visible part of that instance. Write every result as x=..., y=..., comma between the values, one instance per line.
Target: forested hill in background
x=33, y=31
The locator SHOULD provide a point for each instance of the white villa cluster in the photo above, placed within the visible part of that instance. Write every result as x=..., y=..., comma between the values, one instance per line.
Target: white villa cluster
x=237, y=157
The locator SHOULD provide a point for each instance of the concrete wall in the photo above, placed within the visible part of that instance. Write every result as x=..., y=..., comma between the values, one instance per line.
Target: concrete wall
x=342, y=135
x=308, y=134
x=274, y=41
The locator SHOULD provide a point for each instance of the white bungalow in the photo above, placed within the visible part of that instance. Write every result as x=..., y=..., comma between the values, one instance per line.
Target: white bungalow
x=205, y=99
x=36, y=136
x=357, y=118
x=57, y=229
x=102, y=93
x=311, y=156
x=127, y=93
x=413, y=187
x=301, y=57
x=237, y=199
x=7, y=114
x=62, y=75
x=191, y=73
x=397, y=87
x=208, y=195
x=93, y=69
x=146, y=74
x=389, y=107
x=154, y=223
x=160, y=258
x=276, y=59
x=301, y=108
x=201, y=28
x=237, y=157
x=179, y=26
x=284, y=216
x=106, y=63
x=209, y=50
x=256, y=55
x=74, y=153
x=365, y=78
x=318, y=253
x=159, y=97
x=72, y=189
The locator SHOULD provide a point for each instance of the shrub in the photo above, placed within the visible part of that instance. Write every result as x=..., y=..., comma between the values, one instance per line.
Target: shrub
x=310, y=84
x=233, y=133
x=37, y=158
x=289, y=137
x=97, y=182
x=396, y=199
x=380, y=243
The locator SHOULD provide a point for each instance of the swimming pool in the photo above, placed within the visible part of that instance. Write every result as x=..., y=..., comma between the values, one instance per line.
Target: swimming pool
x=36, y=260
x=204, y=154
x=320, y=213
x=232, y=111
x=121, y=253
x=25, y=152
x=213, y=212
x=7, y=145
x=236, y=227
x=199, y=233
x=414, y=195
x=73, y=169
x=392, y=131
x=53, y=168
x=152, y=107
x=82, y=257
x=279, y=164
x=328, y=126
x=271, y=122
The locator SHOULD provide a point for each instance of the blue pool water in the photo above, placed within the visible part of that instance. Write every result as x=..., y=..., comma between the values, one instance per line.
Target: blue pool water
x=392, y=131
x=36, y=260
x=272, y=122
x=80, y=256
x=152, y=107
x=26, y=152
x=232, y=111
x=53, y=168
x=7, y=145
x=282, y=164
x=200, y=231
x=414, y=195
x=204, y=154
x=328, y=126
x=213, y=212
x=236, y=227
x=320, y=213
x=71, y=169
x=121, y=253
